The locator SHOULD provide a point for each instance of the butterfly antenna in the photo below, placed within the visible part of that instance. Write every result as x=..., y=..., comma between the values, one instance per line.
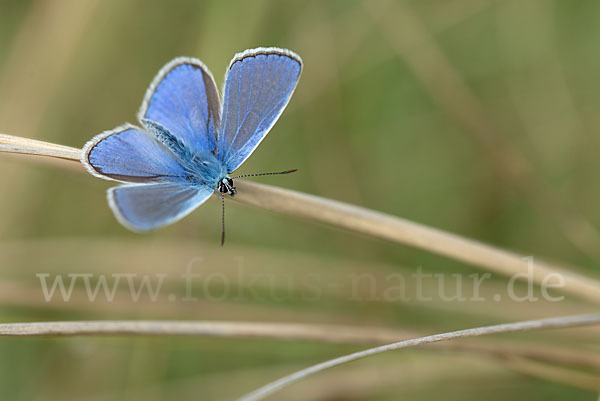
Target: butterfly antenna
x=256, y=175
x=223, y=220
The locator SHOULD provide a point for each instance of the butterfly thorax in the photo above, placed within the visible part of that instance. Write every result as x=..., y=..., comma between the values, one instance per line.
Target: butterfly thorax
x=204, y=168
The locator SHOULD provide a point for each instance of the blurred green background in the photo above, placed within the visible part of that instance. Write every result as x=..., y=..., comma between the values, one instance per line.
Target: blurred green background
x=478, y=117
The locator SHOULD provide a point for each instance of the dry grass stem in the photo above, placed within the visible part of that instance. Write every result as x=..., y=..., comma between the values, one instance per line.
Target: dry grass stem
x=15, y=144
x=552, y=323
x=284, y=331
x=338, y=334
x=406, y=232
x=365, y=221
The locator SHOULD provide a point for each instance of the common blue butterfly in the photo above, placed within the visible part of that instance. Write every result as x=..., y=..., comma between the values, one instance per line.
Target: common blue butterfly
x=189, y=141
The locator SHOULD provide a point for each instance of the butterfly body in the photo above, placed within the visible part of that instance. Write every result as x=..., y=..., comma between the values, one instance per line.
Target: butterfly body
x=201, y=167
x=190, y=141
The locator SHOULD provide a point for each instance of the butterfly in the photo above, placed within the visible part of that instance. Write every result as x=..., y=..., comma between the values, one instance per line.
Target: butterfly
x=190, y=141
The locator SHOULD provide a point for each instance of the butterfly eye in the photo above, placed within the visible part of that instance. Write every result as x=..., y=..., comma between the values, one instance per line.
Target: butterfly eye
x=230, y=181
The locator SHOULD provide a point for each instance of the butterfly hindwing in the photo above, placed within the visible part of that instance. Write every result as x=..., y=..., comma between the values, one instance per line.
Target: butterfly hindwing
x=129, y=154
x=143, y=207
x=258, y=86
x=184, y=99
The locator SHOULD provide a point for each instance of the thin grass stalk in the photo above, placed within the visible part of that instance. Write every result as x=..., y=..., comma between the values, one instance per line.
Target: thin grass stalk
x=365, y=221
x=323, y=333
x=552, y=323
x=281, y=331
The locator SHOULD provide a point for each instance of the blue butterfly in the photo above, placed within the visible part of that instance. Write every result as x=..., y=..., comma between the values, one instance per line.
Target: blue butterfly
x=190, y=142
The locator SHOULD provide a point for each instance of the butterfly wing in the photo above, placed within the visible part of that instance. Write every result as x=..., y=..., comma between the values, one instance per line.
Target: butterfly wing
x=143, y=207
x=129, y=154
x=258, y=86
x=184, y=99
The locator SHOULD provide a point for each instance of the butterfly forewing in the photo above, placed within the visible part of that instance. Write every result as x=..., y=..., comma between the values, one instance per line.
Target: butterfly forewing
x=129, y=154
x=183, y=98
x=258, y=86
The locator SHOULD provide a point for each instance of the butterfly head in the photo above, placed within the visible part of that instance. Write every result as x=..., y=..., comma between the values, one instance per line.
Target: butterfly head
x=225, y=186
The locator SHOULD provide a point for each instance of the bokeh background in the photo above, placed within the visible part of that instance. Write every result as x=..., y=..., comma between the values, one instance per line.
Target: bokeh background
x=479, y=117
